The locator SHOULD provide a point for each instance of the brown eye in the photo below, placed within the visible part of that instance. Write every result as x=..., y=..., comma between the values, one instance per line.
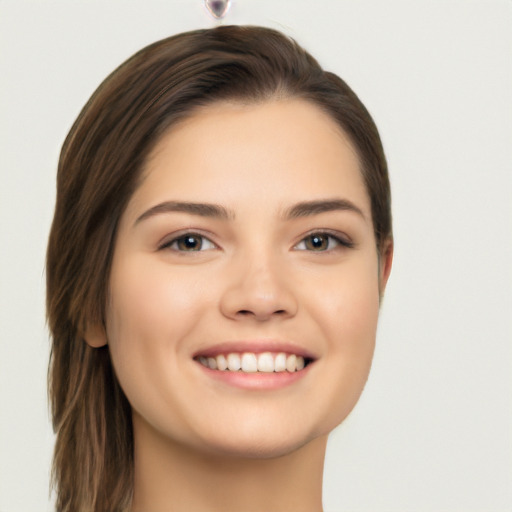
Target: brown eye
x=190, y=242
x=318, y=242
x=321, y=242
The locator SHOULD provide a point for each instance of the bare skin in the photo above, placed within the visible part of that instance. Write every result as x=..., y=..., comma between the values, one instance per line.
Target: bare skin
x=251, y=233
x=205, y=482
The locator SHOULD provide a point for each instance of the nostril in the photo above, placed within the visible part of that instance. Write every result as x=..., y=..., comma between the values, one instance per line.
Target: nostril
x=247, y=312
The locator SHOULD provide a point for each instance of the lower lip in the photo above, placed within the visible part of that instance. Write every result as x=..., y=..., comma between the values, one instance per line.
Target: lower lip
x=257, y=380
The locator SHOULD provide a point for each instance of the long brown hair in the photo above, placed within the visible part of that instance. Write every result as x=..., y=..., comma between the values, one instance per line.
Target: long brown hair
x=99, y=168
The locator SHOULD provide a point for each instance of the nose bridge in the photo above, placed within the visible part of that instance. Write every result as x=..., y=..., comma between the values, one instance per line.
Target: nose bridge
x=257, y=286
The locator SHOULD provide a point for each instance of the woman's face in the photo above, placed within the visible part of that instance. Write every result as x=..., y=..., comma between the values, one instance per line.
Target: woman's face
x=250, y=234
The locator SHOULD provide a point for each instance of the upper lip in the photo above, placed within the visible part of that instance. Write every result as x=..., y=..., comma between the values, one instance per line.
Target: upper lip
x=255, y=346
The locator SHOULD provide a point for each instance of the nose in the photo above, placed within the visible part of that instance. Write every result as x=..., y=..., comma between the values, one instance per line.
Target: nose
x=257, y=289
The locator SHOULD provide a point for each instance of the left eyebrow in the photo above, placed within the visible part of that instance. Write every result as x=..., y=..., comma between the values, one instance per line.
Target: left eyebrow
x=308, y=208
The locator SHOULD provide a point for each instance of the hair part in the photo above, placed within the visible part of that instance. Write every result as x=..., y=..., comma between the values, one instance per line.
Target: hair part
x=101, y=163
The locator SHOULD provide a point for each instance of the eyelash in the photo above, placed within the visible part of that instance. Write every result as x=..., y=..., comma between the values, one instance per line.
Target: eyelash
x=189, y=235
x=339, y=242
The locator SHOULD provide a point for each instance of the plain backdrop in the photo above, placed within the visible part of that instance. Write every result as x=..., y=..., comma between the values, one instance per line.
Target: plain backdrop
x=433, y=430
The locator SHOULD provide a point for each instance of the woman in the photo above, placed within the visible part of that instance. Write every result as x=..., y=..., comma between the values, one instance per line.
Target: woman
x=221, y=243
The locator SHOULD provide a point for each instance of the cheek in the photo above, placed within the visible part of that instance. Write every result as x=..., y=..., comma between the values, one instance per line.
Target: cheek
x=150, y=303
x=135, y=311
x=348, y=306
x=149, y=316
x=347, y=315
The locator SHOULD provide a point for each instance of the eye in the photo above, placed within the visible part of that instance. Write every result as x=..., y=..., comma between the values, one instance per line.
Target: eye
x=189, y=242
x=320, y=242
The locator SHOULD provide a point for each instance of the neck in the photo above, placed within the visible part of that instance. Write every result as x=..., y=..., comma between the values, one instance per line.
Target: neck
x=171, y=477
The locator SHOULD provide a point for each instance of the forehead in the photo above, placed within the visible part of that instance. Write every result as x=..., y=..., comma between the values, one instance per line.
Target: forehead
x=279, y=150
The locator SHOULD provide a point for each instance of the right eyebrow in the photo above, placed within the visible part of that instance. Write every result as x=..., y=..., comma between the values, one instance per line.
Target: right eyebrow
x=201, y=209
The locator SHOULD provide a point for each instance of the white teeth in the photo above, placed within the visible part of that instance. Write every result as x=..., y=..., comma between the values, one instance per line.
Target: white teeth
x=249, y=363
x=291, y=363
x=265, y=362
x=222, y=364
x=280, y=362
x=233, y=362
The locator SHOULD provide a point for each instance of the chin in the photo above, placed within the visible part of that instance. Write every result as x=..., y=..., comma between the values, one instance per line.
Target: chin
x=257, y=441
x=254, y=448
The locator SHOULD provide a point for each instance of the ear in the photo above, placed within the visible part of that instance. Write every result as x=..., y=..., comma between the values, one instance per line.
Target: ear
x=386, y=262
x=95, y=336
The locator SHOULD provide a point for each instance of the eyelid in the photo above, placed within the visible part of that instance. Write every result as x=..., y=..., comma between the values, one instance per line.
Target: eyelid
x=342, y=240
x=175, y=237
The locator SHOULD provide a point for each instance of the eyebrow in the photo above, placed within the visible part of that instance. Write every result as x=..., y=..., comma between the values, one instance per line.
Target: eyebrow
x=308, y=208
x=201, y=209
x=302, y=209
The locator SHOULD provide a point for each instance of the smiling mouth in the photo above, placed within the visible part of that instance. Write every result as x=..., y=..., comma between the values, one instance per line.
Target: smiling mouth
x=250, y=362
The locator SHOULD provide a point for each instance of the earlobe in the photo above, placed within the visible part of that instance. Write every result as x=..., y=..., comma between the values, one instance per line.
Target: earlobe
x=95, y=336
x=386, y=262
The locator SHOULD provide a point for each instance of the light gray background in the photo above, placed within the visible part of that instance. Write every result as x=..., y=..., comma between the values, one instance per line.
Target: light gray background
x=433, y=431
